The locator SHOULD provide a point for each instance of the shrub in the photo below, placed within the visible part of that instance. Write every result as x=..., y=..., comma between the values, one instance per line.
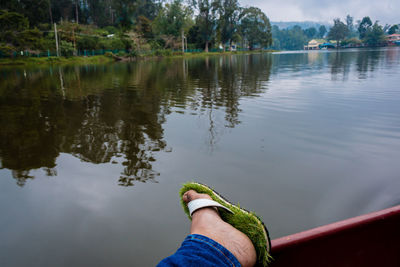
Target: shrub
x=167, y=52
x=111, y=29
x=111, y=44
x=133, y=53
x=351, y=41
x=101, y=32
x=67, y=48
x=108, y=54
x=177, y=53
x=121, y=53
x=46, y=44
x=158, y=52
x=156, y=44
x=6, y=50
x=127, y=43
x=162, y=52
x=87, y=42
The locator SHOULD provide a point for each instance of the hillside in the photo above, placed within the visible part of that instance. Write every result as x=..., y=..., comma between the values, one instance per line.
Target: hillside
x=303, y=24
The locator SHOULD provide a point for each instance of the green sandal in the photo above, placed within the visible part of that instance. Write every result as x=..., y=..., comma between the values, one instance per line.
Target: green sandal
x=246, y=222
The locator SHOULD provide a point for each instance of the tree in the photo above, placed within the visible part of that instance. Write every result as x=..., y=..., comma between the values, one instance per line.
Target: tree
x=310, y=32
x=322, y=31
x=147, y=8
x=124, y=10
x=11, y=24
x=255, y=27
x=171, y=19
x=143, y=26
x=393, y=29
x=386, y=28
x=289, y=38
x=375, y=36
x=16, y=32
x=65, y=9
x=194, y=37
x=12, y=21
x=364, y=26
x=229, y=13
x=35, y=11
x=338, y=32
x=206, y=20
x=349, y=23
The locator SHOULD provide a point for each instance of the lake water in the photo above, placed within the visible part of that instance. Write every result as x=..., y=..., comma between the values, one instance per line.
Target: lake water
x=92, y=157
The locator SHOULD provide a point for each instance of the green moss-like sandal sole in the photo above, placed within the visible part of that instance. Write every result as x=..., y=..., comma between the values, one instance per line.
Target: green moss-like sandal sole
x=246, y=222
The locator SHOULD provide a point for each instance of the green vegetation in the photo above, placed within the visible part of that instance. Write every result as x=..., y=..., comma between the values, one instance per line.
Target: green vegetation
x=90, y=27
x=338, y=32
x=367, y=34
x=288, y=39
x=55, y=60
x=393, y=29
x=363, y=33
x=256, y=28
x=141, y=28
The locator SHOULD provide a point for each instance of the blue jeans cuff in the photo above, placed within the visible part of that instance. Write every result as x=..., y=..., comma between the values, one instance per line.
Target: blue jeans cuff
x=199, y=250
x=217, y=247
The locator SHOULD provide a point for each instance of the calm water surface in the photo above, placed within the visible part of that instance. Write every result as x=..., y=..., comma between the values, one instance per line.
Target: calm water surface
x=92, y=157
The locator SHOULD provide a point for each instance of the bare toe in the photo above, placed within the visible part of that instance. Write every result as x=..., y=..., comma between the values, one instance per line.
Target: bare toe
x=192, y=195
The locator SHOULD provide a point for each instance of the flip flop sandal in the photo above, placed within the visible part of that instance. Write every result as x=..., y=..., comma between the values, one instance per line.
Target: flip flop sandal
x=246, y=222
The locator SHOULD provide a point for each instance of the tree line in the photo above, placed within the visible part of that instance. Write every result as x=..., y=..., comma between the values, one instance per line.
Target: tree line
x=131, y=24
x=294, y=38
x=346, y=33
x=361, y=33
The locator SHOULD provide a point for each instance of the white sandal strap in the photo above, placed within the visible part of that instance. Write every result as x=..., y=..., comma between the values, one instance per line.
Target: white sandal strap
x=203, y=203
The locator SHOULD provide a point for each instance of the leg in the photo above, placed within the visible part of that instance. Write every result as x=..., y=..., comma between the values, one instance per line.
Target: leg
x=207, y=222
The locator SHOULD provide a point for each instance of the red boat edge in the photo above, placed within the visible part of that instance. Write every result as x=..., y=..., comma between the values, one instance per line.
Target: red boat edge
x=372, y=239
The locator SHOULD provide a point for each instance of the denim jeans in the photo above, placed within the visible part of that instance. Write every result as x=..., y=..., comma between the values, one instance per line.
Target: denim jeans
x=199, y=250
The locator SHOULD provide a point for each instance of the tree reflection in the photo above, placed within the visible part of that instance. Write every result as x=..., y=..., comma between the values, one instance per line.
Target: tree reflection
x=340, y=65
x=114, y=113
x=367, y=61
x=222, y=82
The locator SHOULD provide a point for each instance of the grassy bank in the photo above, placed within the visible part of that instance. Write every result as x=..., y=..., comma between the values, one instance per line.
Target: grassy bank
x=106, y=59
x=54, y=60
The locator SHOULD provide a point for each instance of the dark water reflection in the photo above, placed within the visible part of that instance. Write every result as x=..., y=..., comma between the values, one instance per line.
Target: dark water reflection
x=113, y=113
x=302, y=138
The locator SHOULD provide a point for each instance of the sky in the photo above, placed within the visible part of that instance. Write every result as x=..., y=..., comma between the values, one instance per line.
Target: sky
x=385, y=11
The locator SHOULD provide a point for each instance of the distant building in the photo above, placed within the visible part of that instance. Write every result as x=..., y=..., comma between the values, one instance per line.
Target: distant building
x=313, y=45
x=393, y=38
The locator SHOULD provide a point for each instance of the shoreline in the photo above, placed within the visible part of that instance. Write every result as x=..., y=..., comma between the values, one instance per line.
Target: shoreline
x=21, y=61
x=54, y=60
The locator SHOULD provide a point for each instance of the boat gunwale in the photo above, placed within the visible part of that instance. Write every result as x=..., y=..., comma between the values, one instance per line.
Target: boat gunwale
x=325, y=231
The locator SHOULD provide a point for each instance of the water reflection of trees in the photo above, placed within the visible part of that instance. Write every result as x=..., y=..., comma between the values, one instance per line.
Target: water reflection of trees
x=364, y=61
x=114, y=113
x=221, y=83
x=93, y=123
x=340, y=63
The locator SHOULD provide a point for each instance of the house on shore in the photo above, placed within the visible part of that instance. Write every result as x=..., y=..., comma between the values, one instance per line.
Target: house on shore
x=313, y=44
x=393, y=39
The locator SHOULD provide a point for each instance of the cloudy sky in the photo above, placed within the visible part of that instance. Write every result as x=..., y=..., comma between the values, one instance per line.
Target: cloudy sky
x=386, y=11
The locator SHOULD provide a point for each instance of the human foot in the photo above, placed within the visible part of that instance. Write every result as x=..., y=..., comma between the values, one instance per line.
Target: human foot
x=207, y=222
